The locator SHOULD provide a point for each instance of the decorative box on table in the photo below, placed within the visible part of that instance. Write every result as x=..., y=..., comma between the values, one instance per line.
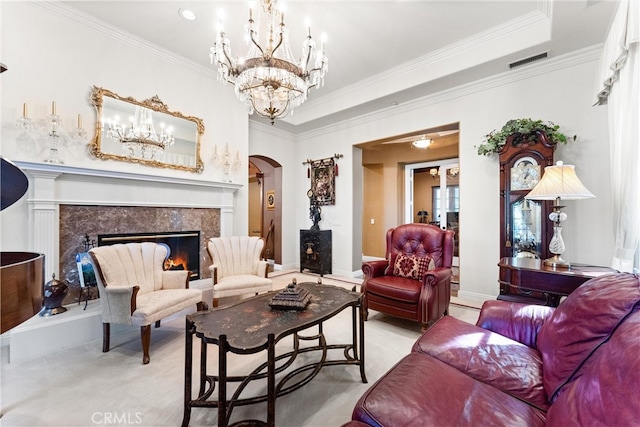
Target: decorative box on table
x=293, y=297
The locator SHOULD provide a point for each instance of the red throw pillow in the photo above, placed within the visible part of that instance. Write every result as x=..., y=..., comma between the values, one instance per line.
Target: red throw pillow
x=412, y=267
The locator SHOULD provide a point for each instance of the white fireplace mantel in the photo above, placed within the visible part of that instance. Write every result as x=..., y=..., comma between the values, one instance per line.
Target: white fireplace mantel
x=52, y=185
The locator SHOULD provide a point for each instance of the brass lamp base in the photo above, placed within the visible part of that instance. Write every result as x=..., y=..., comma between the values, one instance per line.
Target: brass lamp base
x=556, y=261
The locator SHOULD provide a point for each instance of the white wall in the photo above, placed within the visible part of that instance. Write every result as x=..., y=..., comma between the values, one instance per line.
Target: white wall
x=558, y=90
x=55, y=54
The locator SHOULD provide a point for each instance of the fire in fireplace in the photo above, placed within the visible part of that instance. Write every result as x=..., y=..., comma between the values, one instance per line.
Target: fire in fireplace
x=184, y=247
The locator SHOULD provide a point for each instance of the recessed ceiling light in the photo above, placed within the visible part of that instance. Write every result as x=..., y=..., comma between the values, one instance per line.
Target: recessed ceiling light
x=187, y=14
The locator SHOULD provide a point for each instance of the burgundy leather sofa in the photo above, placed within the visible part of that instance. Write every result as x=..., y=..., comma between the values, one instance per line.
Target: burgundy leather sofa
x=521, y=365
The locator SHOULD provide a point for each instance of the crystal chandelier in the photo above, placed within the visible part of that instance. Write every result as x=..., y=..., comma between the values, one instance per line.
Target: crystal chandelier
x=139, y=138
x=268, y=80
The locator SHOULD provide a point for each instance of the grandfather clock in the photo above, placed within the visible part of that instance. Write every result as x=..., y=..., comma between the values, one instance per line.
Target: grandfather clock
x=525, y=229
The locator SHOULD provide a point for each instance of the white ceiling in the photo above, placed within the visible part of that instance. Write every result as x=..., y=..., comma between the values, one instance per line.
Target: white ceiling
x=380, y=52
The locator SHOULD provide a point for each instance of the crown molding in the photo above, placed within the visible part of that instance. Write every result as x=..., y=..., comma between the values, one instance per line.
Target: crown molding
x=572, y=59
x=530, y=23
x=505, y=30
x=267, y=129
x=119, y=35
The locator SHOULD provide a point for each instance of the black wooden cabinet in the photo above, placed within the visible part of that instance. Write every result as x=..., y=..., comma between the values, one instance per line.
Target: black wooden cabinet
x=315, y=251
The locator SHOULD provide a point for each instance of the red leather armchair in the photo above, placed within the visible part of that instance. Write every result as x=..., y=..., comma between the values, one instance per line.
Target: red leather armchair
x=424, y=300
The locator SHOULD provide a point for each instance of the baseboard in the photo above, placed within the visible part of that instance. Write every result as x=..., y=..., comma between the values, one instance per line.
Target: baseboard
x=473, y=298
x=366, y=258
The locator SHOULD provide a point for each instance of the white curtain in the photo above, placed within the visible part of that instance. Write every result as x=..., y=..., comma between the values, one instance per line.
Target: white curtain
x=619, y=87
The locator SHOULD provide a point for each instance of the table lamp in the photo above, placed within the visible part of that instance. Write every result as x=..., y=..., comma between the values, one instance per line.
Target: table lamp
x=559, y=182
x=423, y=215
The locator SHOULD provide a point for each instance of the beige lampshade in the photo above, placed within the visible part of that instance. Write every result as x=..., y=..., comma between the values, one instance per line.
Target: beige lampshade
x=559, y=181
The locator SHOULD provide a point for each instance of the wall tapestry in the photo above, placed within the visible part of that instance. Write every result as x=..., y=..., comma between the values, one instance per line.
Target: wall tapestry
x=323, y=174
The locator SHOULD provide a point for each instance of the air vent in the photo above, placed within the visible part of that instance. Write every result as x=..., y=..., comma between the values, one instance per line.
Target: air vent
x=528, y=60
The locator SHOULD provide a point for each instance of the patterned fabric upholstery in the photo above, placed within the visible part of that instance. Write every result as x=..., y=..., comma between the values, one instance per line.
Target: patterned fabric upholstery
x=412, y=267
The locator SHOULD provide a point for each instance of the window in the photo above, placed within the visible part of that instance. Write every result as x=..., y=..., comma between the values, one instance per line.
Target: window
x=452, y=203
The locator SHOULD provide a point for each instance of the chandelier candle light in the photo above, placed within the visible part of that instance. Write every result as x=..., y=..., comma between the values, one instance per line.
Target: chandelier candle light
x=140, y=138
x=558, y=182
x=267, y=79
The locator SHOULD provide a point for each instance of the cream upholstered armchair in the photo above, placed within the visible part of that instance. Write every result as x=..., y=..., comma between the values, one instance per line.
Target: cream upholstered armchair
x=135, y=290
x=237, y=267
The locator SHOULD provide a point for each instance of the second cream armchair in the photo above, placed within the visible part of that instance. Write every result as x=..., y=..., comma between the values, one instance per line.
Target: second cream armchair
x=237, y=268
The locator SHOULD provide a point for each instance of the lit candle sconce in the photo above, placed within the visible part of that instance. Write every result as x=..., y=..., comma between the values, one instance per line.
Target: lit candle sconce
x=228, y=162
x=51, y=128
x=24, y=123
x=79, y=134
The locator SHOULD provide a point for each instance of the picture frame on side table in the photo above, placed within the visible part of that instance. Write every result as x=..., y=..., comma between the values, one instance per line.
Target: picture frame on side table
x=86, y=274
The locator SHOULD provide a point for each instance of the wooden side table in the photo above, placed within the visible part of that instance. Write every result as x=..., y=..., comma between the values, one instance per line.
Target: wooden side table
x=528, y=280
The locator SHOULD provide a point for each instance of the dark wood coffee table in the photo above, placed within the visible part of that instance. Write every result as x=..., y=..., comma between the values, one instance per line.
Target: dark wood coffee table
x=251, y=326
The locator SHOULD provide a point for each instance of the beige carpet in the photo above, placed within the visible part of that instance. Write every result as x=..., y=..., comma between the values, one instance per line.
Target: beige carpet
x=84, y=387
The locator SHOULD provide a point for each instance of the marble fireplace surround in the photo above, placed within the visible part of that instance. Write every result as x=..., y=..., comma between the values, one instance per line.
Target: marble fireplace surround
x=141, y=200
x=76, y=221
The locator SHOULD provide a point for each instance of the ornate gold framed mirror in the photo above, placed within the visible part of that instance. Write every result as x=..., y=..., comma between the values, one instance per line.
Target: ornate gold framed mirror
x=145, y=132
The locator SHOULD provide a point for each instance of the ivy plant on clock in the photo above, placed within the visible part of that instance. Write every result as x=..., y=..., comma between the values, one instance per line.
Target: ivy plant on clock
x=524, y=132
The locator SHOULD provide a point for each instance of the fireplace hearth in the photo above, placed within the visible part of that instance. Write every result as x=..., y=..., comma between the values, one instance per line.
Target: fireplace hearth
x=184, y=247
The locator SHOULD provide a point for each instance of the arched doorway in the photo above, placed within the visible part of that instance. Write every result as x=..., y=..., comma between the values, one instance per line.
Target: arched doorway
x=265, y=204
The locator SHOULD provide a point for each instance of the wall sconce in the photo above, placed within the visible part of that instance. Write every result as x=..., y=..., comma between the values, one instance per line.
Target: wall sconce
x=51, y=128
x=230, y=164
